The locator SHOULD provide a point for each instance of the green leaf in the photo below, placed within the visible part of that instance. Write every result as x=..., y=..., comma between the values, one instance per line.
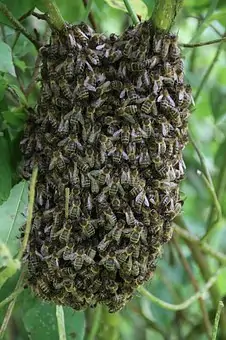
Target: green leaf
x=19, y=94
x=20, y=64
x=3, y=85
x=10, y=265
x=6, y=61
x=5, y=170
x=137, y=5
x=12, y=218
x=40, y=321
x=14, y=118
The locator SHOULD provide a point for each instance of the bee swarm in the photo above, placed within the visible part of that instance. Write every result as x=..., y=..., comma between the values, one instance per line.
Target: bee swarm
x=110, y=125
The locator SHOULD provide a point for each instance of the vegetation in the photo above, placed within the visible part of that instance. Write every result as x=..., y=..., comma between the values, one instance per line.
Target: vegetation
x=184, y=300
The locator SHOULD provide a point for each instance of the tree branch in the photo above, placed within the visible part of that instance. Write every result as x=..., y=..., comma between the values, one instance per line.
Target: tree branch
x=55, y=17
x=164, y=13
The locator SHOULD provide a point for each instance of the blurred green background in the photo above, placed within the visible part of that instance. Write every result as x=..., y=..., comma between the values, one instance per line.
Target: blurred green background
x=183, y=268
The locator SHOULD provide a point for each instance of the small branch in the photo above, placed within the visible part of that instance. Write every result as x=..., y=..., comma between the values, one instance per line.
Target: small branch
x=61, y=323
x=164, y=13
x=30, y=212
x=203, y=245
x=214, y=196
x=11, y=306
x=55, y=16
x=187, y=268
x=34, y=77
x=217, y=319
x=131, y=12
x=204, y=43
x=90, y=14
x=208, y=71
x=95, y=324
x=184, y=304
x=11, y=297
x=17, y=25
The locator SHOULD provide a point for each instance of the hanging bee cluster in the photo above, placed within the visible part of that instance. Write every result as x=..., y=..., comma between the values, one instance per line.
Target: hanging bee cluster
x=109, y=130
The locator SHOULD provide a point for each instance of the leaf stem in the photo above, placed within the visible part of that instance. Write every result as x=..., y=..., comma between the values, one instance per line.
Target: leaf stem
x=184, y=304
x=60, y=322
x=30, y=211
x=204, y=43
x=164, y=13
x=55, y=16
x=131, y=12
x=217, y=319
x=18, y=26
x=11, y=297
x=95, y=324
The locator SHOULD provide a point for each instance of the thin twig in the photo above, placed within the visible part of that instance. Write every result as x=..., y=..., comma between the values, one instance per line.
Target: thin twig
x=95, y=324
x=90, y=15
x=34, y=76
x=184, y=304
x=208, y=71
x=187, y=268
x=11, y=306
x=61, y=323
x=11, y=297
x=202, y=245
x=214, y=196
x=30, y=211
x=204, y=43
x=217, y=319
x=131, y=12
x=17, y=25
x=55, y=16
x=25, y=15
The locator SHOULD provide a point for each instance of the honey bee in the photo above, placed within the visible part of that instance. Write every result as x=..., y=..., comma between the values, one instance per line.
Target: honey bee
x=165, y=95
x=104, y=175
x=92, y=56
x=174, y=50
x=113, y=55
x=82, y=94
x=110, y=216
x=55, y=88
x=157, y=83
x=87, y=227
x=83, y=166
x=123, y=254
x=64, y=233
x=43, y=285
x=57, y=161
x=125, y=175
x=75, y=210
x=137, y=134
x=136, y=66
x=85, y=181
x=93, y=134
x=65, y=89
x=147, y=126
x=69, y=67
x=116, y=232
x=110, y=263
x=116, y=204
x=103, y=245
x=68, y=254
x=116, y=85
x=144, y=158
x=157, y=43
x=63, y=128
x=62, y=103
x=144, y=264
x=53, y=265
x=135, y=270
x=130, y=219
x=80, y=65
x=41, y=194
x=166, y=200
x=165, y=47
x=74, y=175
x=146, y=79
x=141, y=199
x=46, y=92
x=127, y=50
x=101, y=89
x=81, y=36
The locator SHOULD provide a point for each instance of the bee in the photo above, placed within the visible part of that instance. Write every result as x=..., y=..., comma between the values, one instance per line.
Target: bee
x=85, y=181
x=103, y=245
x=116, y=204
x=53, y=265
x=102, y=200
x=157, y=83
x=83, y=166
x=81, y=36
x=71, y=144
x=104, y=175
x=151, y=63
x=57, y=161
x=65, y=89
x=135, y=270
x=146, y=79
x=125, y=175
x=118, y=154
x=116, y=232
x=141, y=199
x=46, y=92
x=113, y=55
x=123, y=254
x=166, y=200
x=82, y=94
x=131, y=152
x=165, y=47
x=87, y=227
x=137, y=134
x=174, y=50
x=110, y=216
x=33, y=264
x=43, y=285
x=69, y=67
x=41, y=194
x=74, y=175
x=68, y=254
x=78, y=259
x=144, y=158
x=117, y=85
x=130, y=219
x=80, y=65
x=147, y=127
x=136, y=66
x=110, y=263
x=62, y=103
x=127, y=50
x=64, y=233
x=75, y=209
x=89, y=203
x=165, y=95
x=93, y=134
x=63, y=128
x=144, y=264
x=92, y=56
x=114, y=185
x=157, y=43
x=54, y=88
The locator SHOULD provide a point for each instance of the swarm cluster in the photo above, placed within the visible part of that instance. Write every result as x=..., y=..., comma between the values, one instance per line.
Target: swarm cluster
x=109, y=130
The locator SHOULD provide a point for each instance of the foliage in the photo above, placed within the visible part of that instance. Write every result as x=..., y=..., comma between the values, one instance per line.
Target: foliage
x=184, y=267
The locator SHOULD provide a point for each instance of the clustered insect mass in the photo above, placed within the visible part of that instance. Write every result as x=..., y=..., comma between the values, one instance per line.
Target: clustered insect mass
x=110, y=125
